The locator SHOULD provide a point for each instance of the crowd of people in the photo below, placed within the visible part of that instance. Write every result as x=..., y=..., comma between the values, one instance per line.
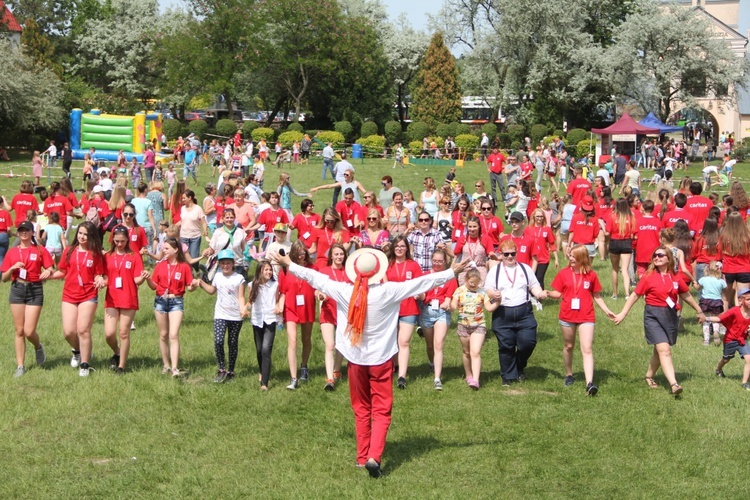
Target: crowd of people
x=659, y=243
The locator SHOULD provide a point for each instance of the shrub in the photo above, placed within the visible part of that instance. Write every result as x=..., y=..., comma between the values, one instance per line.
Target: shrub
x=516, y=132
x=549, y=139
x=312, y=132
x=226, y=127
x=248, y=127
x=373, y=143
x=295, y=127
x=416, y=131
x=369, y=129
x=287, y=138
x=335, y=137
x=393, y=132
x=173, y=128
x=741, y=152
x=558, y=133
x=468, y=143
x=446, y=129
x=462, y=128
x=515, y=146
x=344, y=128
x=490, y=129
x=198, y=127
x=505, y=140
x=415, y=147
x=576, y=135
x=538, y=131
x=584, y=147
x=263, y=133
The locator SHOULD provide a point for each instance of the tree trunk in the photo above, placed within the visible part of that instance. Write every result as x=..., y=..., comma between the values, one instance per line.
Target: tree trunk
x=400, y=105
x=275, y=111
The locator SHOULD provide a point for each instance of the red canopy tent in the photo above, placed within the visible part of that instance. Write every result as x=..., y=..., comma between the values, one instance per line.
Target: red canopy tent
x=626, y=129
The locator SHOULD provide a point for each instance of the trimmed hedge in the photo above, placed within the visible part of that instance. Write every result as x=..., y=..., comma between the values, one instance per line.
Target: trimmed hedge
x=393, y=132
x=467, y=142
x=516, y=132
x=446, y=129
x=372, y=143
x=490, y=129
x=295, y=127
x=576, y=135
x=462, y=129
x=416, y=131
x=369, y=129
x=538, y=131
x=287, y=138
x=226, y=127
x=335, y=137
x=263, y=133
x=345, y=129
x=584, y=147
x=173, y=129
x=248, y=127
x=415, y=147
x=198, y=127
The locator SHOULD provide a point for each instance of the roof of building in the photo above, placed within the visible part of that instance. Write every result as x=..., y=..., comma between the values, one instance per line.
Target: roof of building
x=8, y=20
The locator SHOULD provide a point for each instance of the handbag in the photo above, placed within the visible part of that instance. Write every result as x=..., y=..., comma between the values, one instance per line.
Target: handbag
x=110, y=222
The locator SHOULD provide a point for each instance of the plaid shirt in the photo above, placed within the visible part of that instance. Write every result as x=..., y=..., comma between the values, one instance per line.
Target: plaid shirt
x=423, y=245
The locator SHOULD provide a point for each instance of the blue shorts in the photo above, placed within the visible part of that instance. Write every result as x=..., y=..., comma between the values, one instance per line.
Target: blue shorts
x=732, y=347
x=165, y=305
x=411, y=320
x=430, y=316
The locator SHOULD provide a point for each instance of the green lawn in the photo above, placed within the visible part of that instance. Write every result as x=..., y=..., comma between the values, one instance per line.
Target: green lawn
x=144, y=435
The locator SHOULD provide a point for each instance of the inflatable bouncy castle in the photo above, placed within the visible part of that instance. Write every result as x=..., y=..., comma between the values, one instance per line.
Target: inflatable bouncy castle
x=108, y=134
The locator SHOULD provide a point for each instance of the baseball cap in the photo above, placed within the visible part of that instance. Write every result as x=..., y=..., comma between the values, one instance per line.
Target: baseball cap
x=97, y=189
x=517, y=216
x=26, y=226
x=226, y=254
x=280, y=226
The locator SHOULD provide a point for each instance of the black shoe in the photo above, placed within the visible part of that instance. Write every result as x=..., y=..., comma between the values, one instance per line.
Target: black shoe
x=373, y=467
x=522, y=377
x=506, y=382
x=591, y=389
x=304, y=374
x=114, y=362
x=330, y=386
x=420, y=332
x=720, y=374
x=120, y=371
x=401, y=384
x=569, y=380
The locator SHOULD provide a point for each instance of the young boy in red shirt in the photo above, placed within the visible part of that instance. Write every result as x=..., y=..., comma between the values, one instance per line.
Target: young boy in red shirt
x=737, y=321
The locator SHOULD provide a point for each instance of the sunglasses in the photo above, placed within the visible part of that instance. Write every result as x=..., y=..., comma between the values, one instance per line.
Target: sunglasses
x=486, y=209
x=120, y=242
x=445, y=203
x=372, y=218
x=659, y=255
x=424, y=220
x=128, y=214
x=509, y=254
x=330, y=221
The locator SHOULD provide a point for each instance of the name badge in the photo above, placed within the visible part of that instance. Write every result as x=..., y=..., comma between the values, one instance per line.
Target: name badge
x=300, y=300
x=134, y=237
x=89, y=263
x=494, y=225
x=435, y=304
x=523, y=248
x=349, y=223
x=670, y=302
x=22, y=274
x=306, y=235
x=458, y=233
x=118, y=282
x=586, y=285
x=575, y=304
x=128, y=265
x=408, y=275
x=32, y=257
x=178, y=276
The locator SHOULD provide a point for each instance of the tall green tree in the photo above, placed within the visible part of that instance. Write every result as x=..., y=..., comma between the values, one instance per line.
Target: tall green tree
x=404, y=47
x=37, y=45
x=436, y=93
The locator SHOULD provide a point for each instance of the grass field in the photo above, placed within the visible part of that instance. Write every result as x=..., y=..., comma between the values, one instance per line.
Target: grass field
x=144, y=435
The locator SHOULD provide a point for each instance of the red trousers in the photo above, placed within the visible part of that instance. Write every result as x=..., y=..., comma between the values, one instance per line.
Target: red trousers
x=371, y=392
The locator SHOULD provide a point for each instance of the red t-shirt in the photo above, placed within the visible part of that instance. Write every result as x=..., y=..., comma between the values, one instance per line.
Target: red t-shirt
x=457, y=221
x=61, y=205
x=736, y=325
x=34, y=259
x=172, y=279
x=400, y=272
x=544, y=242
x=347, y=213
x=219, y=206
x=22, y=203
x=526, y=168
x=577, y=189
x=137, y=238
x=496, y=161
x=698, y=206
x=733, y=264
x=577, y=286
x=324, y=239
x=613, y=228
x=101, y=207
x=305, y=226
x=122, y=293
x=73, y=200
x=583, y=232
x=492, y=227
x=270, y=217
x=602, y=209
x=657, y=287
x=533, y=204
x=80, y=267
x=6, y=221
x=701, y=253
x=440, y=293
x=299, y=298
x=648, y=238
x=525, y=247
x=669, y=218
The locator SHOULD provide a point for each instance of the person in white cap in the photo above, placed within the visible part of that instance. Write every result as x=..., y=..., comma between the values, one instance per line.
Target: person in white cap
x=366, y=337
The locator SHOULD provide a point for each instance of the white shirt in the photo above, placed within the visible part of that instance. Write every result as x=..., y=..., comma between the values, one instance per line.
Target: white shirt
x=328, y=152
x=52, y=150
x=105, y=183
x=227, y=296
x=340, y=168
x=262, y=308
x=711, y=169
x=514, y=286
x=379, y=339
x=604, y=174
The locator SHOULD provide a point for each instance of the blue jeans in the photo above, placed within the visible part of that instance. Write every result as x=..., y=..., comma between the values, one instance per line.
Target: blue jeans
x=189, y=170
x=328, y=165
x=165, y=305
x=194, y=245
x=4, y=243
x=515, y=329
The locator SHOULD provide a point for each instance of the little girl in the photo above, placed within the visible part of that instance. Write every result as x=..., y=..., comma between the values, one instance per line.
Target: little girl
x=158, y=172
x=411, y=205
x=470, y=301
x=295, y=152
x=54, y=237
x=122, y=163
x=266, y=304
x=712, y=285
x=171, y=179
x=135, y=172
x=228, y=312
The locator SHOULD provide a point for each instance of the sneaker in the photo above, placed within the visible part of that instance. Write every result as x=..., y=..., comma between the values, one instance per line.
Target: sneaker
x=293, y=385
x=337, y=376
x=75, y=360
x=474, y=384
x=522, y=377
x=591, y=389
x=85, y=370
x=114, y=362
x=438, y=385
x=263, y=388
x=746, y=386
x=41, y=356
x=19, y=372
x=220, y=377
x=230, y=376
x=401, y=383
x=706, y=342
x=506, y=382
x=132, y=326
x=569, y=380
x=469, y=380
x=120, y=371
x=304, y=374
x=373, y=468
x=720, y=373
x=330, y=385
x=165, y=370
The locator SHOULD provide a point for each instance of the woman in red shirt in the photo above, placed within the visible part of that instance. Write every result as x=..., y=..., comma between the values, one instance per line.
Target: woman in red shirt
x=603, y=208
x=662, y=289
x=578, y=286
x=82, y=266
x=622, y=230
x=6, y=222
x=26, y=264
x=336, y=271
x=401, y=268
x=734, y=243
x=305, y=222
x=544, y=242
x=57, y=202
x=23, y=202
x=706, y=248
x=475, y=247
x=136, y=234
x=124, y=275
x=171, y=277
x=298, y=299
x=459, y=217
x=584, y=227
x=435, y=315
x=329, y=230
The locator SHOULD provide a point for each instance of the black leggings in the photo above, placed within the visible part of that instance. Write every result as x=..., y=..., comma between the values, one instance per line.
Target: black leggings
x=264, y=336
x=221, y=326
x=541, y=270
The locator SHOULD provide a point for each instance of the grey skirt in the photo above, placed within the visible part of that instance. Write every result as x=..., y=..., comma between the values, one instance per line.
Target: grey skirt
x=660, y=325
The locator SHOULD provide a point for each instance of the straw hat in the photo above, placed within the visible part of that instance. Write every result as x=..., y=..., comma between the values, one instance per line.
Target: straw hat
x=365, y=261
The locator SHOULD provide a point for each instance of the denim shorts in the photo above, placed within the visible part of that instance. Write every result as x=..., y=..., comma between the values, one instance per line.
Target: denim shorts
x=411, y=320
x=732, y=347
x=430, y=316
x=165, y=305
x=566, y=324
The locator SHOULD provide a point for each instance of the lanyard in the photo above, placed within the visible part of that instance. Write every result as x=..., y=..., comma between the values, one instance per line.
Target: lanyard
x=576, y=283
x=78, y=262
x=400, y=276
x=515, y=271
x=169, y=276
x=335, y=274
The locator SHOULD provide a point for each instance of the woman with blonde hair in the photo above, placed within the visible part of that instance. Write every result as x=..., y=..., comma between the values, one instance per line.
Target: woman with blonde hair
x=428, y=200
x=544, y=243
x=741, y=201
x=734, y=243
x=117, y=201
x=622, y=230
x=373, y=235
x=330, y=230
x=398, y=217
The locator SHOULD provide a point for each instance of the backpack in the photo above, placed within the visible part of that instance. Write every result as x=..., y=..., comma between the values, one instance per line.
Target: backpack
x=92, y=216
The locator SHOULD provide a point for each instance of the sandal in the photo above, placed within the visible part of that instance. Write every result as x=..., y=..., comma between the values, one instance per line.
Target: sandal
x=676, y=389
x=652, y=383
